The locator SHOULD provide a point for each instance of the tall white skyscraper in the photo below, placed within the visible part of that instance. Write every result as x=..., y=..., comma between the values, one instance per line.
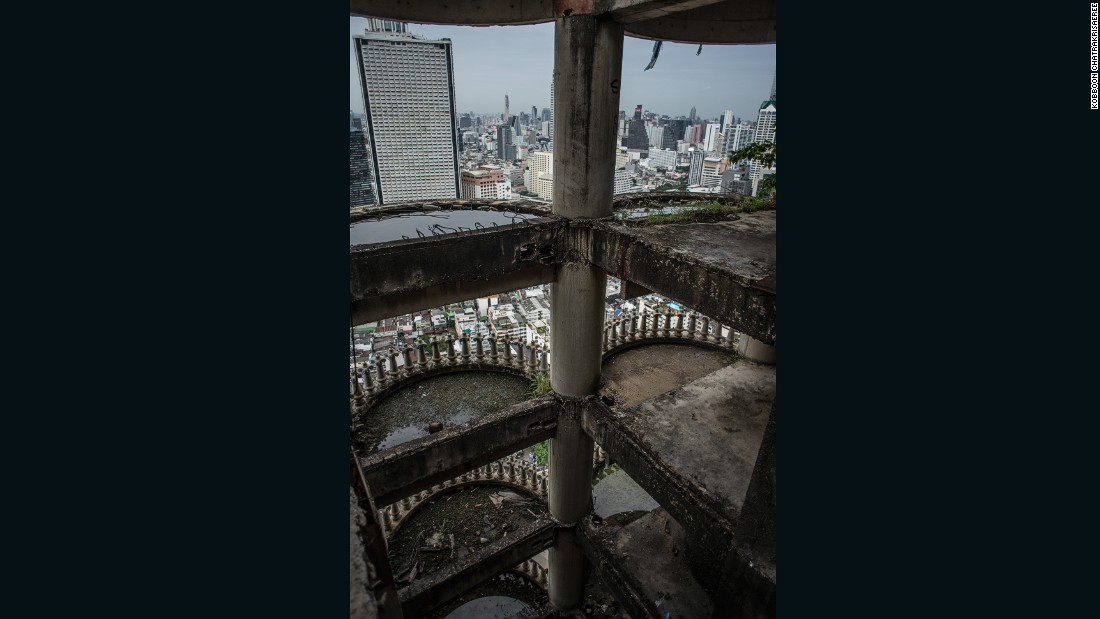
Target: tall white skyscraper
x=765, y=132
x=711, y=143
x=550, y=146
x=408, y=95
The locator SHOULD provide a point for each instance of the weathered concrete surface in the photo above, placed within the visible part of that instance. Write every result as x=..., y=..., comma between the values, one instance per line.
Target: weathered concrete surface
x=570, y=466
x=729, y=22
x=421, y=463
x=755, y=350
x=529, y=207
x=419, y=598
x=749, y=573
x=388, y=279
x=711, y=531
x=363, y=605
x=641, y=373
x=725, y=270
x=645, y=563
x=711, y=429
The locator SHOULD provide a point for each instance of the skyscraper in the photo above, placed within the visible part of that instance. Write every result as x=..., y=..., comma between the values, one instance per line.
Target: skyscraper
x=362, y=192
x=710, y=141
x=507, y=114
x=691, y=116
x=638, y=112
x=505, y=149
x=550, y=144
x=765, y=132
x=695, y=172
x=406, y=77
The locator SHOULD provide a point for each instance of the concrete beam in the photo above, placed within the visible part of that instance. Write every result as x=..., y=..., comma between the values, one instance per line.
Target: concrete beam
x=427, y=594
x=404, y=470
x=630, y=11
x=708, y=532
x=457, y=12
x=398, y=277
x=724, y=270
x=723, y=23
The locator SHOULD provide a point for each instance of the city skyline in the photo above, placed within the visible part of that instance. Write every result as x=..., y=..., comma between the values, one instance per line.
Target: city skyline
x=491, y=62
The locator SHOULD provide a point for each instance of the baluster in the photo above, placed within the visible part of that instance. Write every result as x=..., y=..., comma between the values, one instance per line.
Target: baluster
x=392, y=356
x=450, y=349
x=531, y=365
x=544, y=363
x=679, y=325
x=380, y=365
x=464, y=341
x=668, y=323
x=406, y=356
x=507, y=351
x=435, y=351
x=369, y=379
x=691, y=326
x=706, y=329
x=479, y=349
x=624, y=327
x=493, y=350
x=633, y=327
x=606, y=330
x=421, y=356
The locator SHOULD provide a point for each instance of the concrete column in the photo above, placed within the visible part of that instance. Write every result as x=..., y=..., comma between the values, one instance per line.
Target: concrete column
x=588, y=58
x=566, y=578
x=755, y=350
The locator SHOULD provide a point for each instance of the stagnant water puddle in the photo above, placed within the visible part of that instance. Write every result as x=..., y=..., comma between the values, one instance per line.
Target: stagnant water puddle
x=450, y=399
x=418, y=225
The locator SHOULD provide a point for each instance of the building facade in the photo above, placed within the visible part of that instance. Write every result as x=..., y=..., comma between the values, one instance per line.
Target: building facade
x=408, y=95
x=362, y=186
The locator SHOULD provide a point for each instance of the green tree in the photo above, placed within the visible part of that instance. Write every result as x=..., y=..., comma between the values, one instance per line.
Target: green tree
x=542, y=454
x=764, y=152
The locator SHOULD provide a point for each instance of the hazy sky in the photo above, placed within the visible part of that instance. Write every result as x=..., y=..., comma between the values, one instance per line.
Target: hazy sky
x=518, y=61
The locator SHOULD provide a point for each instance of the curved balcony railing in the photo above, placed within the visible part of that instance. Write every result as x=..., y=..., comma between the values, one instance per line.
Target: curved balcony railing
x=637, y=328
x=450, y=354
x=439, y=356
x=510, y=471
x=532, y=571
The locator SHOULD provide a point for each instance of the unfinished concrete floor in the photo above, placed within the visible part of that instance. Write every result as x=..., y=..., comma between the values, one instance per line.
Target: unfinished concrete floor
x=710, y=429
x=638, y=374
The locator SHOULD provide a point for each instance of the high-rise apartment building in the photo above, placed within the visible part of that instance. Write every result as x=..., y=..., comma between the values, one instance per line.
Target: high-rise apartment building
x=550, y=144
x=406, y=77
x=710, y=142
x=486, y=183
x=540, y=174
x=736, y=137
x=362, y=191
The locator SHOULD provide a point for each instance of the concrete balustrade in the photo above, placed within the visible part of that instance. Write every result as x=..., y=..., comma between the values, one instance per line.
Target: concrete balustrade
x=511, y=471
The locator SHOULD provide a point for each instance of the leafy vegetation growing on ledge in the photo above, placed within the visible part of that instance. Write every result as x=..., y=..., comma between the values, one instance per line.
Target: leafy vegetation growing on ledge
x=541, y=385
x=703, y=213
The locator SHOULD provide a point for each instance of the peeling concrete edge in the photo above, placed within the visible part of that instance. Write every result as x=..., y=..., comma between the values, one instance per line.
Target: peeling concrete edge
x=626, y=589
x=425, y=595
x=527, y=207
x=540, y=416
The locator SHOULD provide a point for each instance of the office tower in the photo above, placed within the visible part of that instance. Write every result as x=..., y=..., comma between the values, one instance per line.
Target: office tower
x=695, y=173
x=773, y=88
x=464, y=122
x=534, y=113
x=362, y=192
x=546, y=114
x=638, y=112
x=505, y=149
x=507, y=114
x=550, y=144
x=407, y=77
x=691, y=116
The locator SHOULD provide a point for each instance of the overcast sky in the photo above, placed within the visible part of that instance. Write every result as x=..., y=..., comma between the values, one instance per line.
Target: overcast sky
x=518, y=61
